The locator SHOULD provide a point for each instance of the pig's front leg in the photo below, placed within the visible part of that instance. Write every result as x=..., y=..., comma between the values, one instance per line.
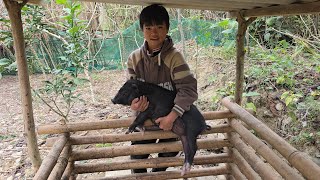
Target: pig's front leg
x=138, y=122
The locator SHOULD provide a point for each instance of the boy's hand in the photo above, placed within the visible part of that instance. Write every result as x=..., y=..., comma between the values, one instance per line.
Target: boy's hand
x=140, y=104
x=166, y=122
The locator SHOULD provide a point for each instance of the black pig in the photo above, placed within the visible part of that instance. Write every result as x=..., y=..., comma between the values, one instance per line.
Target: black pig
x=161, y=102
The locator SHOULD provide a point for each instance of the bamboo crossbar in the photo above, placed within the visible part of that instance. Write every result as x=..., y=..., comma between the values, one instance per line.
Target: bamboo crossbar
x=149, y=163
x=109, y=152
x=51, y=159
x=275, y=161
x=265, y=171
x=114, y=123
x=297, y=159
x=212, y=171
x=135, y=136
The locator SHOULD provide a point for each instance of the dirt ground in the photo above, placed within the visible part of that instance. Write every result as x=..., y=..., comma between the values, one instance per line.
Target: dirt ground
x=210, y=72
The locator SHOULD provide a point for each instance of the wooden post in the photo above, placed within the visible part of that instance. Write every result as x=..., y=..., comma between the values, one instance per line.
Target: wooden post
x=14, y=11
x=242, y=27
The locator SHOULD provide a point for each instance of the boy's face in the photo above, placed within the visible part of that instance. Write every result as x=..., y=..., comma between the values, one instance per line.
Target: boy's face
x=155, y=35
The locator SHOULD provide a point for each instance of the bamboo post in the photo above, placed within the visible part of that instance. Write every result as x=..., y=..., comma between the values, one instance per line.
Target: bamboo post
x=14, y=11
x=113, y=138
x=51, y=159
x=242, y=28
x=300, y=161
x=212, y=171
x=139, y=149
x=115, y=123
x=148, y=163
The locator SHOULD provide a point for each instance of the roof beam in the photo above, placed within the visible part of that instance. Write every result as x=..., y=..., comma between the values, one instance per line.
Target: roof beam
x=281, y=10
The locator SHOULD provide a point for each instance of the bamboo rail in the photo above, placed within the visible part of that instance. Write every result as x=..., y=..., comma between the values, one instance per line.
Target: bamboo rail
x=236, y=173
x=114, y=123
x=275, y=161
x=297, y=159
x=51, y=159
x=139, y=149
x=112, y=138
x=244, y=166
x=149, y=163
x=61, y=165
x=212, y=171
x=265, y=171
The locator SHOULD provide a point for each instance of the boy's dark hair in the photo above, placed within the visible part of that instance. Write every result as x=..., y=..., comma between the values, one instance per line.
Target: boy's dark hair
x=154, y=14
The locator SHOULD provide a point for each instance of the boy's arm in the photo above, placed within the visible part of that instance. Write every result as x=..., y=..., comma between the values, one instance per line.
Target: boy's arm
x=185, y=83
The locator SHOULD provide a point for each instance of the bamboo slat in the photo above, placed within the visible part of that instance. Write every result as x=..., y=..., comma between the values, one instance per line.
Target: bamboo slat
x=139, y=149
x=235, y=172
x=265, y=171
x=112, y=138
x=302, y=162
x=68, y=172
x=275, y=161
x=113, y=123
x=212, y=171
x=51, y=159
x=244, y=166
x=61, y=165
x=148, y=163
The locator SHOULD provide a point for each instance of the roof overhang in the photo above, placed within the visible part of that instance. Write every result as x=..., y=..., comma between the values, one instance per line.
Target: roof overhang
x=247, y=8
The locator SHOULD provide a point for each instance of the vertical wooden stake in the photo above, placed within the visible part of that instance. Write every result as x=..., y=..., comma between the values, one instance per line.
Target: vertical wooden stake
x=242, y=27
x=14, y=11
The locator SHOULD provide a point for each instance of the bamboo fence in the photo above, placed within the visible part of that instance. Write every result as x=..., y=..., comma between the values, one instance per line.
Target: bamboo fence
x=246, y=156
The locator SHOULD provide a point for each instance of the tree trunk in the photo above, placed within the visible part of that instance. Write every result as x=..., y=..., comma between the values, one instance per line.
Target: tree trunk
x=14, y=11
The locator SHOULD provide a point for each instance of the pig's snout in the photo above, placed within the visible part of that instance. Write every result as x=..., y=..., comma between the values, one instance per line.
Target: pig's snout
x=113, y=101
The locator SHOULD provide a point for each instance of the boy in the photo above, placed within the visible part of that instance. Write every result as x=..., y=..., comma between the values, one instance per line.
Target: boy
x=158, y=62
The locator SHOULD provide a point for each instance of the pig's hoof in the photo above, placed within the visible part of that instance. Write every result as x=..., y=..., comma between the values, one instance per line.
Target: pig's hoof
x=140, y=129
x=185, y=168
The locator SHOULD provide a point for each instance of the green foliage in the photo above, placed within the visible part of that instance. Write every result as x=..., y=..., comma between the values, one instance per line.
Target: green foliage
x=251, y=106
x=104, y=145
x=6, y=137
x=65, y=83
